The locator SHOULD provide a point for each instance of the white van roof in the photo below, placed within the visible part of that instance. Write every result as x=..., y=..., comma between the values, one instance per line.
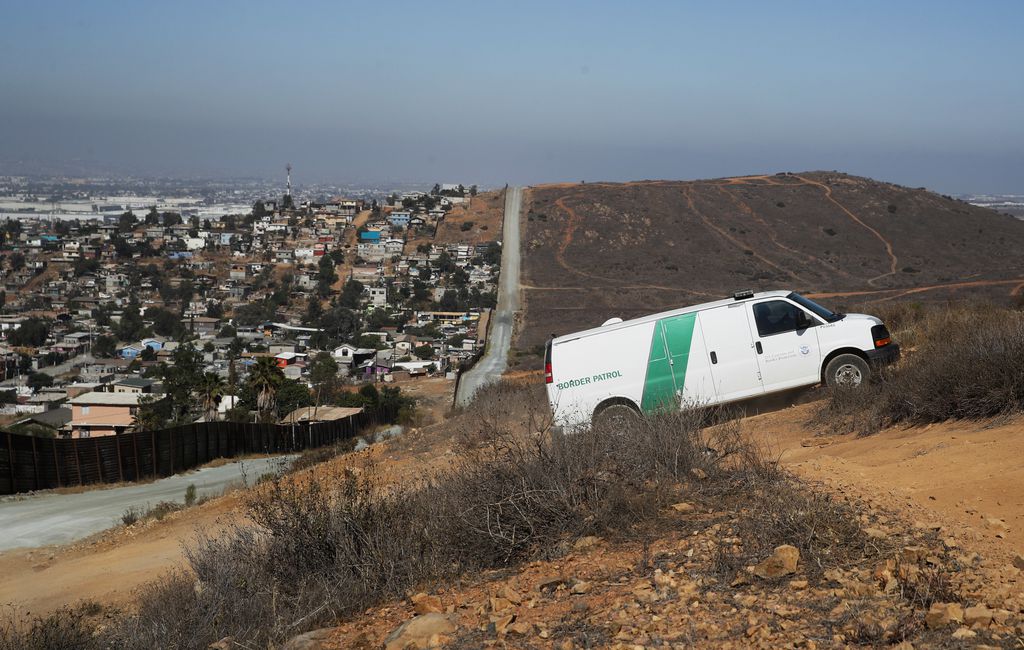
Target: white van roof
x=665, y=314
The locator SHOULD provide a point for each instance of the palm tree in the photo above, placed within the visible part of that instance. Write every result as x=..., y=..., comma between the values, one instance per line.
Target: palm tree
x=210, y=389
x=265, y=378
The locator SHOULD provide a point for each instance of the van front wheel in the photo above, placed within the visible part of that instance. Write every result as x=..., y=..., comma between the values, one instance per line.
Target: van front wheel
x=848, y=371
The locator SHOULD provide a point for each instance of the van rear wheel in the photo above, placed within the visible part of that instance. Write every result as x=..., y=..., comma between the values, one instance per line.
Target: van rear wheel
x=615, y=416
x=847, y=371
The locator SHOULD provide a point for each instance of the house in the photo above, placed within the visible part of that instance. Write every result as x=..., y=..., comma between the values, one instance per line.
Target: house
x=136, y=385
x=349, y=354
x=201, y=325
x=378, y=296
x=102, y=414
x=130, y=351
x=320, y=414
x=400, y=219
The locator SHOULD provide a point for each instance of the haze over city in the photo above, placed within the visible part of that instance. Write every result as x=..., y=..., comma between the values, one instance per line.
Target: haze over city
x=921, y=93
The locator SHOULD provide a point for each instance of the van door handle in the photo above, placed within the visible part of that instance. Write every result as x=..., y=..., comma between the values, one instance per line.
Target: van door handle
x=759, y=348
x=714, y=358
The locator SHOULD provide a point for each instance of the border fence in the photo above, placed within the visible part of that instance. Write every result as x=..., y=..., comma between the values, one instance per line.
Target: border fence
x=30, y=463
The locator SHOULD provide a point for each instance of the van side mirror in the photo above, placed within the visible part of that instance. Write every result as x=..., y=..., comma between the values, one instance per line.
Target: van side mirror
x=803, y=321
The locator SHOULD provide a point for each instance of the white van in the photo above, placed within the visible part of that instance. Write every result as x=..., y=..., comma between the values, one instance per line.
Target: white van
x=715, y=353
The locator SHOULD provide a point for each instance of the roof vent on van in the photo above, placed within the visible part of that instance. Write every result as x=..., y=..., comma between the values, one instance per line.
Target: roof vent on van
x=611, y=321
x=743, y=295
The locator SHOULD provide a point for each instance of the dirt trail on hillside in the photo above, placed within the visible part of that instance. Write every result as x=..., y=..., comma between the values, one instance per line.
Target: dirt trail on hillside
x=966, y=476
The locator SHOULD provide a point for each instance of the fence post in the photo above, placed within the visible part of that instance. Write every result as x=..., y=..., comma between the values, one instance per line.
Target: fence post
x=78, y=462
x=152, y=451
x=99, y=460
x=10, y=460
x=120, y=468
x=135, y=449
x=171, y=449
x=35, y=463
x=56, y=461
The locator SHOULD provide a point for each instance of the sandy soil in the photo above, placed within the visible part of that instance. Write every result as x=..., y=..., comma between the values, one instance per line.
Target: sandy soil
x=965, y=475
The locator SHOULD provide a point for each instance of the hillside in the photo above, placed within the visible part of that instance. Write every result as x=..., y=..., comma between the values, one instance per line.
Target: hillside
x=593, y=251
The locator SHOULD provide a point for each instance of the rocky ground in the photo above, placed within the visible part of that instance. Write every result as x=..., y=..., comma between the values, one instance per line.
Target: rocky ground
x=918, y=590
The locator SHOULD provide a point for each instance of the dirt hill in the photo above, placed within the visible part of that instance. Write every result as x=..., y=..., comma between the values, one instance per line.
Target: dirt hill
x=594, y=251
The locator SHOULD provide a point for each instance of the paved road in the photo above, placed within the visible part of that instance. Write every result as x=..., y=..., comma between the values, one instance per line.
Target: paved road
x=50, y=518
x=495, y=359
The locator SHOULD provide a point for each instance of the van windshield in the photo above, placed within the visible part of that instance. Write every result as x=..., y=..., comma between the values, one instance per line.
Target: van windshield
x=807, y=303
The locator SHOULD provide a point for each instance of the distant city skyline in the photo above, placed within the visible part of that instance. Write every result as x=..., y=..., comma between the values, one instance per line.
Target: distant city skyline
x=917, y=93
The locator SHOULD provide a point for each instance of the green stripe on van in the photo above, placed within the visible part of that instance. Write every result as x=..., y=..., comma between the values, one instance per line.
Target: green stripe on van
x=667, y=361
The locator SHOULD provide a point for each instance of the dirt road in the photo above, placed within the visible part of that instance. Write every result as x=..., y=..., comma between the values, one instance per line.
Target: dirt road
x=495, y=360
x=51, y=518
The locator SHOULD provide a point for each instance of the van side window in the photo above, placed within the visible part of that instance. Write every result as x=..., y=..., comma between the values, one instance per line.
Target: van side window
x=776, y=317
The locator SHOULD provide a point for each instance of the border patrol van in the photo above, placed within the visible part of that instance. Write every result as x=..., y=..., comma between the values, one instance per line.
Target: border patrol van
x=715, y=353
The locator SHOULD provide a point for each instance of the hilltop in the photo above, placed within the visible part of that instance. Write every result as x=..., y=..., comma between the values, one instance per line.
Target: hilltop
x=593, y=251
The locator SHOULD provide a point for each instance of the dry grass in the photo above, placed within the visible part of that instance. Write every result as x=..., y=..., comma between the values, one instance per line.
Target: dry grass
x=961, y=363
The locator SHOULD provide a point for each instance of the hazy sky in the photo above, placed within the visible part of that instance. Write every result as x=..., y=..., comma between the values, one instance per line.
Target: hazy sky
x=921, y=93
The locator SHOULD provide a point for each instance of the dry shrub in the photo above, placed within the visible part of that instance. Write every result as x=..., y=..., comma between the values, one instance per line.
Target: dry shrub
x=967, y=363
x=65, y=629
x=325, y=547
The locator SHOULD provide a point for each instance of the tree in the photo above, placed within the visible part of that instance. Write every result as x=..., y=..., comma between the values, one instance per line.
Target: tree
x=290, y=396
x=150, y=413
x=126, y=222
x=210, y=389
x=323, y=368
x=181, y=378
x=171, y=219
x=165, y=322
x=264, y=380
x=326, y=276
x=259, y=210
x=153, y=217
x=39, y=380
x=472, y=190
x=424, y=351
x=104, y=346
x=31, y=333
x=351, y=294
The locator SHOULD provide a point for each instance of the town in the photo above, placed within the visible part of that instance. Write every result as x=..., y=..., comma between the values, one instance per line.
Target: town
x=118, y=318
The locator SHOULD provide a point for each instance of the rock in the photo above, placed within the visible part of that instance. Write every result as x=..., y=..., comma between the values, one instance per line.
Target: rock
x=913, y=554
x=780, y=563
x=511, y=595
x=979, y=615
x=499, y=604
x=964, y=633
x=418, y=632
x=424, y=604
x=942, y=614
x=501, y=623
x=1018, y=561
x=798, y=585
x=698, y=473
x=549, y=583
x=519, y=628
x=580, y=587
x=740, y=580
x=875, y=533
x=683, y=507
x=583, y=543
x=226, y=643
x=997, y=524
x=308, y=641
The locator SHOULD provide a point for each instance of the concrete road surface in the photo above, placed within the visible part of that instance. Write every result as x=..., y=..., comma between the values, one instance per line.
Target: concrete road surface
x=51, y=518
x=495, y=359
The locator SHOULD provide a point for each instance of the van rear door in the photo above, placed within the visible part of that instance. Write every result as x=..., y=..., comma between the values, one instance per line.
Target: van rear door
x=730, y=349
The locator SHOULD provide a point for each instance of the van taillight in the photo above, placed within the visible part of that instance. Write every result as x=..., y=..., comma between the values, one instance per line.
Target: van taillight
x=547, y=361
x=880, y=335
